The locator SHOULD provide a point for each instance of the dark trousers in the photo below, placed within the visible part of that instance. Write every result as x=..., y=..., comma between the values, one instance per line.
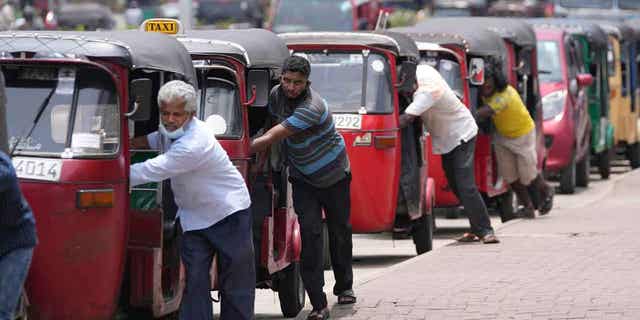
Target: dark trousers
x=308, y=202
x=231, y=240
x=458, y=167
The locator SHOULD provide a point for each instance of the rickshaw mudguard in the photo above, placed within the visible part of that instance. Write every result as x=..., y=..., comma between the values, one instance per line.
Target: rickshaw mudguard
x=81, y=253
x=281, y=242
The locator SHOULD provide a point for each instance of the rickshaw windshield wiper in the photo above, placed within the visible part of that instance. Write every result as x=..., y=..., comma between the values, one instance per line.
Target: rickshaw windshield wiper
x=43, y=106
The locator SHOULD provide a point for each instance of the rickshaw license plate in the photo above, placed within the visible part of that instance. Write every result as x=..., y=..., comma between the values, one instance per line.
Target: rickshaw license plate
x=347, y=121
x=38, y=169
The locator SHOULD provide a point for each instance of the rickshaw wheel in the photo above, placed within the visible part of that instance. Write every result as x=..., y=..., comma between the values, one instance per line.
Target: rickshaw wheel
x=291, y=290
x=633, y=154
x=568, y=177
x=582, y=171
x=422, y=231
x=326, y=251
x=604, y=163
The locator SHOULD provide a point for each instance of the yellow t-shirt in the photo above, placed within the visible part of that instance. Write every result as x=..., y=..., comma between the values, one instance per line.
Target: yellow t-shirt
x=511, y=118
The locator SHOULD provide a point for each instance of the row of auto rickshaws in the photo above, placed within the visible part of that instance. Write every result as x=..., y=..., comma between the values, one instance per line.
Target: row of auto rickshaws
x=75, y=98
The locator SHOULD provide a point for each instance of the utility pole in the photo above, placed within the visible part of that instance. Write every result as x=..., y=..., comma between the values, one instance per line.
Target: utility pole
x=186, y=14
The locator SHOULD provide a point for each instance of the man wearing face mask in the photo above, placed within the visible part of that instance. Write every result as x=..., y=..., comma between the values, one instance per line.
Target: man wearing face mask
x=320, y=176
x=213, y=205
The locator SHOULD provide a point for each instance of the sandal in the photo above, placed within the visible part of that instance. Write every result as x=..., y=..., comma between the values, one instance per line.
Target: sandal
x=468, y=237
x=347, y=297
x=490, y=238
x=319, y=314
x=547, y=203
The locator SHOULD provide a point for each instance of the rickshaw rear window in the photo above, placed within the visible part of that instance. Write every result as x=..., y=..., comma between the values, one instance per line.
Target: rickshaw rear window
x=338, y=77
x=95, y=116
x=549, y=67
x=316, y=15
x=220, y=107
x=598, y=4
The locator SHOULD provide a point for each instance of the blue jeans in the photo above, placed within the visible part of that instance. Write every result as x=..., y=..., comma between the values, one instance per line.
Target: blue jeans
x=232, y=240
x=14, y=266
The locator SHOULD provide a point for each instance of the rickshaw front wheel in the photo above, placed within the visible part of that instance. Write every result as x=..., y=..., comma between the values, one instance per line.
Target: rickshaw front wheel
x=422, y=233
x=291, y=290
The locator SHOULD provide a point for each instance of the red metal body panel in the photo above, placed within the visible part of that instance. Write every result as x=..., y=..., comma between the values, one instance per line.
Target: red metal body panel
x=571, y=128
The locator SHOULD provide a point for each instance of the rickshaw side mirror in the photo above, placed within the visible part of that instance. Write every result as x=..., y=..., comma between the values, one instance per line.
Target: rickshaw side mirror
x=258, y=88
x=584, y=79
x=140, y=90
x=476, y=71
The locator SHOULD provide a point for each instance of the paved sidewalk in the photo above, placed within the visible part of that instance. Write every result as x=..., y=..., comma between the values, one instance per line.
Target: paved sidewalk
x=581, y=262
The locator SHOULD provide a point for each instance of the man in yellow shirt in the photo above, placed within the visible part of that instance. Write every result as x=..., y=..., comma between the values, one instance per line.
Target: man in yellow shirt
x=514, y=140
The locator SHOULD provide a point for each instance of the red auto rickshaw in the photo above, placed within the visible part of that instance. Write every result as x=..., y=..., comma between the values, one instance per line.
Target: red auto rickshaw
x=459, y=56
x=322, y=15
x=362, y=77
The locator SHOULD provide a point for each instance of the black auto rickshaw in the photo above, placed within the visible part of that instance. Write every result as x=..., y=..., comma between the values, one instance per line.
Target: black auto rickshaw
x=105, y=248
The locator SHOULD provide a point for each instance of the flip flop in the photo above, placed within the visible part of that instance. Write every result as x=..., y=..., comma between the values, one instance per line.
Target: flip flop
x=319, y=314
x=347, y=297
x=489, y=239
x=468, y=237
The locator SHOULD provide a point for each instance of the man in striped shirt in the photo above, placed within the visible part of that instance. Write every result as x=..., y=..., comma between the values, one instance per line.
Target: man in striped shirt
x=320, y=176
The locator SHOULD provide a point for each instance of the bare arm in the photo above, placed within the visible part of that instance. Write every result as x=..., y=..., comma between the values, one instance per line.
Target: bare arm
x=485, y=112
x=405, y=120
x=139, y=143
x=272, y=136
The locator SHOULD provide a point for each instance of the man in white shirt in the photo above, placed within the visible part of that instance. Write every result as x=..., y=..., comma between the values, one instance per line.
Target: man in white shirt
x=213, y=205
x=453, y=133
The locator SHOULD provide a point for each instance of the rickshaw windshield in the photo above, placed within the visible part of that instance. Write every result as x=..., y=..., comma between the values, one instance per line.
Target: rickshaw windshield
x=598, y=4
x=629, y=4
x=88, y=127
x=450, y=71
x=316, y=15
x=338, y=78
x=219, y=106
x=549, y=68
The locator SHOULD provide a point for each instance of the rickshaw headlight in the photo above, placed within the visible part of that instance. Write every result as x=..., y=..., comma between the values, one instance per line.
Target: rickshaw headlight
x=553, y=105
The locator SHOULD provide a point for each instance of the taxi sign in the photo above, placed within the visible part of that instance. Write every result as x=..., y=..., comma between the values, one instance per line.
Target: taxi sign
x=168, y=26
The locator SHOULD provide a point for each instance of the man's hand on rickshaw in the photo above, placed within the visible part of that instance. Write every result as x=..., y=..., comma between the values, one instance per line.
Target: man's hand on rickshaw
x=275, y=134
x=139, y=143
x=405, y=120
x=485, y=112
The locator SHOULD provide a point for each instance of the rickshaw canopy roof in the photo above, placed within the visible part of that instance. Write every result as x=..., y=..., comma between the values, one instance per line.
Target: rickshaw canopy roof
x=618, y=29
x=592, y=31
x=256, y=48
x=83, y=14
x=137, y=50
x=400, y=44
x=478, y=42
x=514, y=30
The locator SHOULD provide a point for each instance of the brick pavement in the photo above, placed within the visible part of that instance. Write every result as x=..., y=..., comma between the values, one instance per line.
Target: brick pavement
x=577, y=263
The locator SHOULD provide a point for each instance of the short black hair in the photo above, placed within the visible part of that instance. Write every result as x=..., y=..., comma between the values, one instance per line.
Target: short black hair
x=495, y=71
x=297, y=64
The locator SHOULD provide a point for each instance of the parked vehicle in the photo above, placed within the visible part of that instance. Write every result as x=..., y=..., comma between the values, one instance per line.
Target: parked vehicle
x=521, y=8
x=593, y=45
x=247, y=13
x=413, y=5
x=323, y=15
x=361, y=76
x=584, y=8
x=84, y=16
x=456, y=8
x=455, y=51
x=101, y=246
x=563, y=84
x=622, y=74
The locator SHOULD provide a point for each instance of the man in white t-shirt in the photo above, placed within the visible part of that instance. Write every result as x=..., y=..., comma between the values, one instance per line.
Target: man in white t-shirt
x=213, y=206
x=453, y=133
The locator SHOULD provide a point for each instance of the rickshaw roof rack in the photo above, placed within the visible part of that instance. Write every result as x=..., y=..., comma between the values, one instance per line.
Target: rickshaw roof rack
x=591, y=30
x=479, y=42
x=401, y=44
x=256, y=48
x=512, y=29
x=138, y=50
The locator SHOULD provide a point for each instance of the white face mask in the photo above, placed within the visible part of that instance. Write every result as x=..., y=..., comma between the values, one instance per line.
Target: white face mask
x=175, y=134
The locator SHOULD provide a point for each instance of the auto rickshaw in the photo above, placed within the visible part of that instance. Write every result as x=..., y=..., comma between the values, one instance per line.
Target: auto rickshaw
x=455, y=53
x=104, y=248
x=84, y=16
x=236, y=70
x=593, y=44
x=322, y=15
x=622, y=72
x=366, y=78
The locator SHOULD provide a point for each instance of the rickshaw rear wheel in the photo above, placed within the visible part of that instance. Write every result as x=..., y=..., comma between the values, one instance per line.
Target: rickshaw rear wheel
x=568, y=177
x=604, y=163
x=422, y=233
x=583, y=170
x=291, y=290
x=633, y=154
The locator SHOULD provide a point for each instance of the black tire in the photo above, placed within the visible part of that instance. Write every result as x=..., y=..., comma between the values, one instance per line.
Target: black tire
x=291, y=290
x=583, y=170
x=506, y=206
x=633, y=154
x=568, y=177
x=326, y=251
x=422, y=233
x=604, y=163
